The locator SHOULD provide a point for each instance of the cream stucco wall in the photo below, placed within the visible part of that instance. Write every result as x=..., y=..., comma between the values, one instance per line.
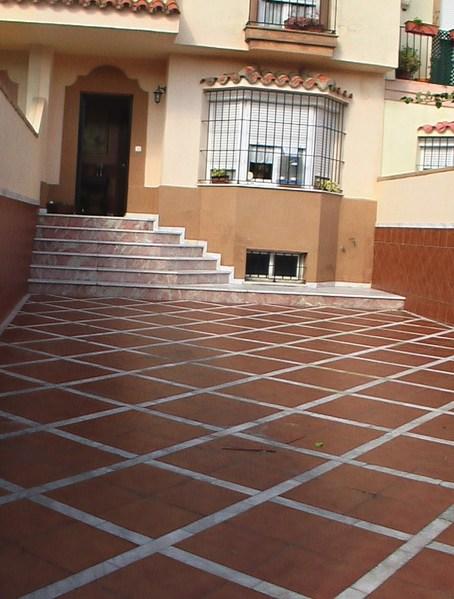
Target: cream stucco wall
x=20, y=155
x=419, y=9
x=15, y=63
x=400, y=139
x=184, y=105
x=214, y=24
x=368, y=32
x=148, y=74
x=418, y=199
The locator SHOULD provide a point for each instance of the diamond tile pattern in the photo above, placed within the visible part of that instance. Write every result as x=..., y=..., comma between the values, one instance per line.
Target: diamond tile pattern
x=196, y=450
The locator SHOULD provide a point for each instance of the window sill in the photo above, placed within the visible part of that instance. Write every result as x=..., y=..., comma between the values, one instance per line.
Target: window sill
x=274, y=186
x=262, y=37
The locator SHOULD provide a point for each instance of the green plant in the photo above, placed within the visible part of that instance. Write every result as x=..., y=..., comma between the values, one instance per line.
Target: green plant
x=417, y=21
x=409, y=61
x=219, y=173
x=328, y=185
x=430, y=98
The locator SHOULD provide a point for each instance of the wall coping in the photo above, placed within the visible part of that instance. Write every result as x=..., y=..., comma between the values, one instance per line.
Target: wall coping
x=408, y=175
x=18, y=111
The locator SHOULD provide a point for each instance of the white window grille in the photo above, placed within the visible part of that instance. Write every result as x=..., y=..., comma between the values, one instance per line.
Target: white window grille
x=435, y=152
x=276, y=12
x=272, y=137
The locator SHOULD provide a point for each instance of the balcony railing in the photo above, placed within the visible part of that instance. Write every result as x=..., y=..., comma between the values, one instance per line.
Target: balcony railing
x=316, y=16
x=426, y=58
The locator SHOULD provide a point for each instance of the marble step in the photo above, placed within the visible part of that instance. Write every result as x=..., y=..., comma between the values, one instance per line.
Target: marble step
x=123, y=262
x=98, y=222
x=119, y=248
x=53, y=274
x=92, y=234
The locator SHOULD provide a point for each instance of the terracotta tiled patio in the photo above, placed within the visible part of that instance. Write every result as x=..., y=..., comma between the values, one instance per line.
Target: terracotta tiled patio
x=185, y=450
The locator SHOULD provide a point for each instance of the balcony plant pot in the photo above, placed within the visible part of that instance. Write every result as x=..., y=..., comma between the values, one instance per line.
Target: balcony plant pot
x=409, y=63
x=421, y=28
x=219, y=175
x=304, y=24
x=220, y=180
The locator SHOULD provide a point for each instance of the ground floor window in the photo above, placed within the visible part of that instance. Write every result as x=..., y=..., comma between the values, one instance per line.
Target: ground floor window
x=435, y=152
x=272, y=138
x=274, y=266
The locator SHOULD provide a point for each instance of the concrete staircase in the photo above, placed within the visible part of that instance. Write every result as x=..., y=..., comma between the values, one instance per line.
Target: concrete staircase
x=93, y=255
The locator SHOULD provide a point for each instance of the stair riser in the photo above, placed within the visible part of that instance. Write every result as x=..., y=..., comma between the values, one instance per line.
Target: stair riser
x=120, y=278
x=116, y=249
x=124, y=263
x=106, y=235
x=97, y=222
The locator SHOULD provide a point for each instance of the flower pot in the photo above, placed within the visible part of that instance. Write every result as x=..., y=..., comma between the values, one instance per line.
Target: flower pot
x=220, y=180
x=421, y=28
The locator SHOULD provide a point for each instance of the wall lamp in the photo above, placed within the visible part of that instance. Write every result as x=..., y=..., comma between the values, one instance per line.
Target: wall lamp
x=158, y=93
x=405, y=4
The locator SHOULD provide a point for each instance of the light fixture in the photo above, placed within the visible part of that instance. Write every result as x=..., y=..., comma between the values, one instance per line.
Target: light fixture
x=405, y=4
x=158, y=92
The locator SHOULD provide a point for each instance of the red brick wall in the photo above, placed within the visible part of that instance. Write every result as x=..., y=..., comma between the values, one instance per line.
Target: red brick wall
x=17, y=229
x=419, y=264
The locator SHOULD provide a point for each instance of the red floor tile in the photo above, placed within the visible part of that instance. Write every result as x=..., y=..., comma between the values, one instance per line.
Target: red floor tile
x=31, y=460
x=135, y=432
x=413, y=394
x=276, y=392
x=323, y=377
x=50, y=405
x=414, y=455
x=59, y=371
x=162, y=577
x=212, y=409
x=359, y=409
x=130, y=389
x=315, y=433
x=195, y=375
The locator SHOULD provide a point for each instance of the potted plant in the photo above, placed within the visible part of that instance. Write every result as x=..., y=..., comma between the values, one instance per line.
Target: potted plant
x=219, y=175
x=409, y=63
x=303, y=24
x=417, y=26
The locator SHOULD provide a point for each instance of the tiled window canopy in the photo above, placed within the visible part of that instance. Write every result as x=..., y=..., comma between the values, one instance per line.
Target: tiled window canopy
x=153, y=7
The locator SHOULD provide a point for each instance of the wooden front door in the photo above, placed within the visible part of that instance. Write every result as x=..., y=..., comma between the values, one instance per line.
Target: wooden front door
x=103, y=154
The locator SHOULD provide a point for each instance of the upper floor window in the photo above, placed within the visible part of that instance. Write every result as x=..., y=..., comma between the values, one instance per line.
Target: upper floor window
x=272, y=138
x=278, y=12
x=435, y=152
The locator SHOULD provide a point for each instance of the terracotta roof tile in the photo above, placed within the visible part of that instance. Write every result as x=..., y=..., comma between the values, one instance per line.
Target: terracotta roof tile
x=254, y=75
x=167, y=7
x=439, y=127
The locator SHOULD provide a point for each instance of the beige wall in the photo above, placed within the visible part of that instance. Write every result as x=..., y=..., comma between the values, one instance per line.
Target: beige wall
x=422, y=199
x=184, y=104
x=233, y=219
x=145, y=75
x=20, y=155
x=368, y=32
x=419, y=9
x=16, y=65
x=400, y=138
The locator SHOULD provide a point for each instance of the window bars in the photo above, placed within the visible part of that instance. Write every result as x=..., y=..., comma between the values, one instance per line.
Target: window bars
x=272, y=138
x=310, y=15
x=275, y=266
x=435, y=152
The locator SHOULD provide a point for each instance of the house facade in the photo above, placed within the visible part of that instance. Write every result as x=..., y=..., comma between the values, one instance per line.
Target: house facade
x=264, y=127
